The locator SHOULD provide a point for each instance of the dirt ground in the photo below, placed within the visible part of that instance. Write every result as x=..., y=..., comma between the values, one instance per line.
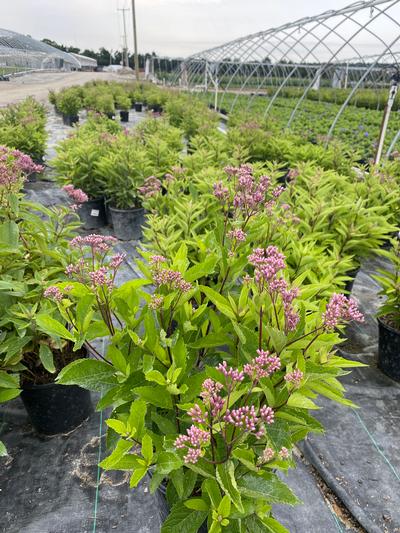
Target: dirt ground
x=38, y=84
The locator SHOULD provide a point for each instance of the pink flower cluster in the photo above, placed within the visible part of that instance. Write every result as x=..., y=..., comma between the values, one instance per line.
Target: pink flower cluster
x=211, y=397
x=341, y=309
x=237, y=235
x=77, y=195
x=220, y=191
x=193, y=441
x=262, y=366
x=53, y=293
x=15, y=166
x=294, y=377
x=151, y=187
x=232, y=373
x=216, y=414
x=165, y=276
x=95, y=270
x=268, y=263
x=156, y=302
x=100, y=278
x=250, y=192
x=98, y=243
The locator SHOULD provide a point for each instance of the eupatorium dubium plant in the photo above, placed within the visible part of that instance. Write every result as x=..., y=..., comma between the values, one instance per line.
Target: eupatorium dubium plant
x=211, y=388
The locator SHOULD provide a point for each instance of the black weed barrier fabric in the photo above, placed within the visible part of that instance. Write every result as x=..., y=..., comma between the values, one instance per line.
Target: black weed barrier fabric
x=359, y=457
x=53, y=485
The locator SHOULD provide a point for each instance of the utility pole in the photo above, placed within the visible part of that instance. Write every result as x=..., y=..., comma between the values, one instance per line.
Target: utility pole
x=125, y=50
x=135, y=40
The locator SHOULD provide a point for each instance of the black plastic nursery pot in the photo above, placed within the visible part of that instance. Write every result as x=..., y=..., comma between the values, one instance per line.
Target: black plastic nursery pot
x=55, y=409
x=389, y=350
x=127, y=223
x=93, y=214
x=138, y=107
x=352, y=274
x=124, y=116
x=70, y=120
x=111, y=116
x=157, y=108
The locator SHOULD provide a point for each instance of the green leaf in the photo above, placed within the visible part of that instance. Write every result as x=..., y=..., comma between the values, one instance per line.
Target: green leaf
x=156, y=395
x=137, y=414
x=201, y=269
x=213, y=491
x=296, y=399
x=266, y=486
x=9, y=234
x=3, y=450
x=84, y=312
x=165, y=425
x=90, y=374
x=226, y=478
x=198, y=504
x=137, y=475
x=156, y=376
x=220, y=302
x=121, y=449
x=9, y=394
x=254, y=524
x=46, y=357
x=168, y=461
x=183, y=520
x=224, y=508
x=246, y=457
x=117, y=425
x=52, y=327
x=116, y=357
x=8, y=381
x=147, y=448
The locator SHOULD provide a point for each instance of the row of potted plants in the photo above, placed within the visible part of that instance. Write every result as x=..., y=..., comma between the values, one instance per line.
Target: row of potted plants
x=23, y=127
x=212, y=374
x=106, y=98
x=111, y=165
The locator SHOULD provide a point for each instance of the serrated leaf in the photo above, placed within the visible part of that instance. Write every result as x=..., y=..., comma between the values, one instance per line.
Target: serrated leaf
x=90, y=374
x=183, y=520
x=266, y=486
x=226, y=478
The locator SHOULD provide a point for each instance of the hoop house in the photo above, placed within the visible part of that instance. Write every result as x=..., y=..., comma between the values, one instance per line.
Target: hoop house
x=21, y=52
x=340, y=59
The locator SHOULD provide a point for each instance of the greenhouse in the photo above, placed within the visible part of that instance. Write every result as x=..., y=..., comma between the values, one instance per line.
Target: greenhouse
x=200, y=283
x=21, y=52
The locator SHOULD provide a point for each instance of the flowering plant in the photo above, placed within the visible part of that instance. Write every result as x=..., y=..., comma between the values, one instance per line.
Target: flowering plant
x=211, y=392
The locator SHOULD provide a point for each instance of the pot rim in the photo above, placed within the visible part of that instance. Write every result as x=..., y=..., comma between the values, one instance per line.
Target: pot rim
x=40, y=386
x=390, y=328
x=130, y=210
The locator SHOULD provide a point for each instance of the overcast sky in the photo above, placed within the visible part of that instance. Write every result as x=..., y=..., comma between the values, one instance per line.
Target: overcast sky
x=168, y=27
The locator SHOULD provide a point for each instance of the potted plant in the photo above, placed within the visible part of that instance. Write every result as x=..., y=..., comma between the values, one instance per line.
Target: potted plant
x=214, y=425
x=137, y=97
x=123, y=170
x=69, y=104
x=35, y=241
x=76, y=163
x=123, y=104
x=389, y=313
x=105, y=104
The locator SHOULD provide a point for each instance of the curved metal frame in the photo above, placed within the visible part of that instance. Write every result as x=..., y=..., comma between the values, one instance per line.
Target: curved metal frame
x=310, y=49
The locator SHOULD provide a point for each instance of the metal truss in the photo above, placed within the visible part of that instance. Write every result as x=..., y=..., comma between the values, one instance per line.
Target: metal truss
x=352, y=48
